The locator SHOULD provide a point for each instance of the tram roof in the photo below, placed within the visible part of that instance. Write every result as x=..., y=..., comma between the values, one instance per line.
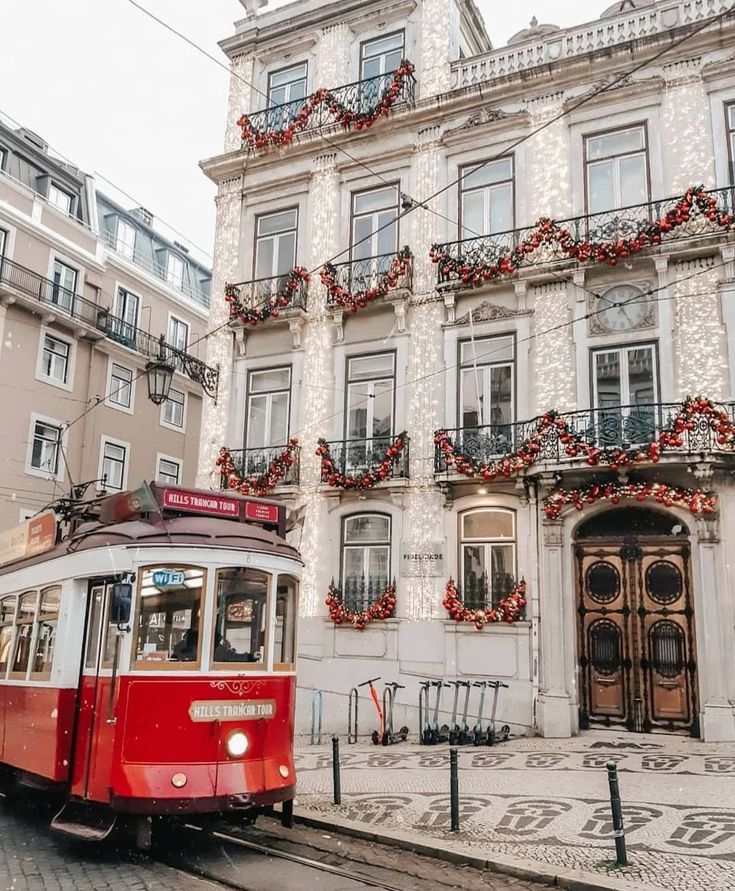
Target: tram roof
x=207, y=532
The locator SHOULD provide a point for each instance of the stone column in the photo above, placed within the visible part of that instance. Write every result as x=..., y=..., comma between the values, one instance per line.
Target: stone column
x=215, y=417
x=554, y=704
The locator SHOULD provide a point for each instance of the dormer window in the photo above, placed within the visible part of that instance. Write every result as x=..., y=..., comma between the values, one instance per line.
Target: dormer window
x=287, y=85
x=60, y=199
x=174, y=271
x=125, y=239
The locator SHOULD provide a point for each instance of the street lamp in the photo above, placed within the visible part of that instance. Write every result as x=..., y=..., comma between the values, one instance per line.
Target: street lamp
x=159, y=372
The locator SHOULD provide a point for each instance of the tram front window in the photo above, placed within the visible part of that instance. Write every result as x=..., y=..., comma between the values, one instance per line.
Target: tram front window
x=168, y=617
x=242, y=612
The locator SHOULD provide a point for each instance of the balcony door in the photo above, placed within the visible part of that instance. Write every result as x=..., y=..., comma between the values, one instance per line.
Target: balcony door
x=486, y=395
x=125, y=311
x=373, y=234
x=370, y=401
x=269, y=398
x=379, y=58
x=486, y=199
x=65, y=285
x=275, y=251
x=625, y=390
x=617, y=169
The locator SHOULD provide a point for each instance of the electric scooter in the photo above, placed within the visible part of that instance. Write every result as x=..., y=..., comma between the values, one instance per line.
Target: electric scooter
x=389, y=737
x=493, y=734
x=478, y=734
x=464, y=735
x=434, y=733
x=376, y=735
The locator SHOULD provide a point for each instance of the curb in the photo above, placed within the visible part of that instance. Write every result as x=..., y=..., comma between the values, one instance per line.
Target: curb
x=461, y=854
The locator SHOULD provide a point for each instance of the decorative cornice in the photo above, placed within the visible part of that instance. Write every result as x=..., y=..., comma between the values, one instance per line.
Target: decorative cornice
x=488, y=312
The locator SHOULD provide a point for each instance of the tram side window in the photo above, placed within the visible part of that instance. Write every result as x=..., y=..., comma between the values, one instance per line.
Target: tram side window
x=24, y=622
x=285, y=629
x=48, y=617
x=168, y=617
x=242, y=613
x=7, y=618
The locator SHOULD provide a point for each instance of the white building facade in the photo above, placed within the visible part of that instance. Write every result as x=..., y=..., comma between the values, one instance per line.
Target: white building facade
x=558, y=360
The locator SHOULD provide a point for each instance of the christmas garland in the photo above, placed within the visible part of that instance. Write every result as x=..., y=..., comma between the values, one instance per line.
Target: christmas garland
x=259, y=484
x=340, y=296
x=696, y=501
x=575, y=445
x=270, y=307
x=548, y=232
x=343, y=115
x=338, y=480
x=509, y=609
x=382, y=608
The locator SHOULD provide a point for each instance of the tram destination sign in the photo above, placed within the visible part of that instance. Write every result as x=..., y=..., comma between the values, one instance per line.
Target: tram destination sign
x=207, y=710
x=35, y=536
x=191, y=501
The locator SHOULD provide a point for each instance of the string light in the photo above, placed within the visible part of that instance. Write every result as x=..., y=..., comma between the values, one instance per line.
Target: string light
x=555, y=371
x=243, y=69
x=436, y=18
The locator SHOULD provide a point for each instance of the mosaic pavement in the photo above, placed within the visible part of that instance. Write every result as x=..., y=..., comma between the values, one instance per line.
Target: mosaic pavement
x=547, y=800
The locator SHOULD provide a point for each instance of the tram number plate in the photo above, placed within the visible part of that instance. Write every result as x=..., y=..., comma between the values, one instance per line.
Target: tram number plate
x=231, y=709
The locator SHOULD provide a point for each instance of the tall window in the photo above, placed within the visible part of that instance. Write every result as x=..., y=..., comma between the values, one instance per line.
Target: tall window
x=112, y=470
x=269, y=396
x=3, y=158
x=373, y=233
x=617, y=169
x=55, y=359
x=173, y=410
x=125, y=323
x=45, y=446
x=275, y=243
x=625, y=390
x=174, y=271
x=3, y=242
x=178, y=334
x=486, y=198
x=730, y=123
x=46, y=621
x=120, y=387
x=65, y=285
x=381, y=56
x=168, y=470
x=365, y=558
x=60, y=199
x=7, y=619
x=24, y=620
x=487, y=555
x=487, y=375
x=370, y=394
x=287, y=85
x=125, y=238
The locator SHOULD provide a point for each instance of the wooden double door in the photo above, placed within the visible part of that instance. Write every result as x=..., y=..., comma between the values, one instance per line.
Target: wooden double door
x=636, y=644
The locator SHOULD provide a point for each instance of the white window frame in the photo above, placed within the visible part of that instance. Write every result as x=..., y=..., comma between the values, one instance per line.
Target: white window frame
x=119, y=443
x=615, y=161
x=270, y=88
x=177, y=461
x=4, y=241
x=275, y=238
x=108, y=389
x=487, y=543
x=78, y=279
x=173, y=279
x=366, y=547
x=168, y=424
x=58, y=190
x=623, y=350
x=484, y=368
x=269, y=394
x=172, y=321
x=375, y=227
x=121, y=245
x=35, y=471
x=67, y=384
x=365, y=44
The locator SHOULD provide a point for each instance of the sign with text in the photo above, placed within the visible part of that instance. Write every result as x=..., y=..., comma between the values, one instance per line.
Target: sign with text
x=263, y=513
x=163, y=578
x=203, y=710
x=29, y=539
x=424, y=561
x=191, y=501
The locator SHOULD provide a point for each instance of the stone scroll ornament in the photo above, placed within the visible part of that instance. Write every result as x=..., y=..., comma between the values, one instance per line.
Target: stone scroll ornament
x=334, y=477
x=353, y=301
x=271, y=307
x=346, y=117
x=508, y=610
x=258, y=484
x=696, y=501
x=692, y=413
x=552, y=235
x=382, y=608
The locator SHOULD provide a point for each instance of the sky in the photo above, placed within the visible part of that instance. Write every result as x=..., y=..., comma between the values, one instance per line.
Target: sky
x=123, y=98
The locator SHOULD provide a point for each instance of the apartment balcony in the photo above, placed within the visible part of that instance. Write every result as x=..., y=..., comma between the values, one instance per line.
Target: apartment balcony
x=158, y=270
x=358, y=458
x=254, y=463
x=358, y=282
x=342, y=105
x=628, y=427
x=256, y=301
x=601, y=237
x=97, y=322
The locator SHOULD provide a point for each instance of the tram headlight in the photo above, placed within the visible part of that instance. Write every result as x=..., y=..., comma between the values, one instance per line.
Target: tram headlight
x=178, y=780
x=236, y=744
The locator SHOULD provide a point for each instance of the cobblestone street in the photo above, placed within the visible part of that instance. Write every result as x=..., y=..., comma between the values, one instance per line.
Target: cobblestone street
x=32, y=858
x=547, y=800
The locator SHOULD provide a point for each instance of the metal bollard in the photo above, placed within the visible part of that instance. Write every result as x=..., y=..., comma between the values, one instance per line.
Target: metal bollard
x=316, y=717
x=617, y=814
x=287, y=814
x=454, y=788
x=335, y=771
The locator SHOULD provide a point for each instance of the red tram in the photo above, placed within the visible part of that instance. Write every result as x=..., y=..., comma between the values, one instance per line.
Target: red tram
x=147, y=664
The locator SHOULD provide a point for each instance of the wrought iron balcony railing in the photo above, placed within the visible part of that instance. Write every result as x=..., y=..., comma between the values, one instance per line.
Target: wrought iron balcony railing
x=478, y=593
x=71, y=305
x=610, y=226
x=360, y=96
x=255, y=462
x=626, y=426
x=254, y=294
x=369, y=273
x=357, y=592
x=353, y=457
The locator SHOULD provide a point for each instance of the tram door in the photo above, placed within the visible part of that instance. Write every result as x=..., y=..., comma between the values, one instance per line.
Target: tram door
x=95, y=732
x=636, y=636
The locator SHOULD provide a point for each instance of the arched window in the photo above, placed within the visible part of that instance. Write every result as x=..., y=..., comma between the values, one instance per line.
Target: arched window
x=365, y=558
x=487, y=556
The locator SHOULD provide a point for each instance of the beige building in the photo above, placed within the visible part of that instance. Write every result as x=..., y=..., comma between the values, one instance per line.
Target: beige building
x=609, y=320
x=86, y=290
